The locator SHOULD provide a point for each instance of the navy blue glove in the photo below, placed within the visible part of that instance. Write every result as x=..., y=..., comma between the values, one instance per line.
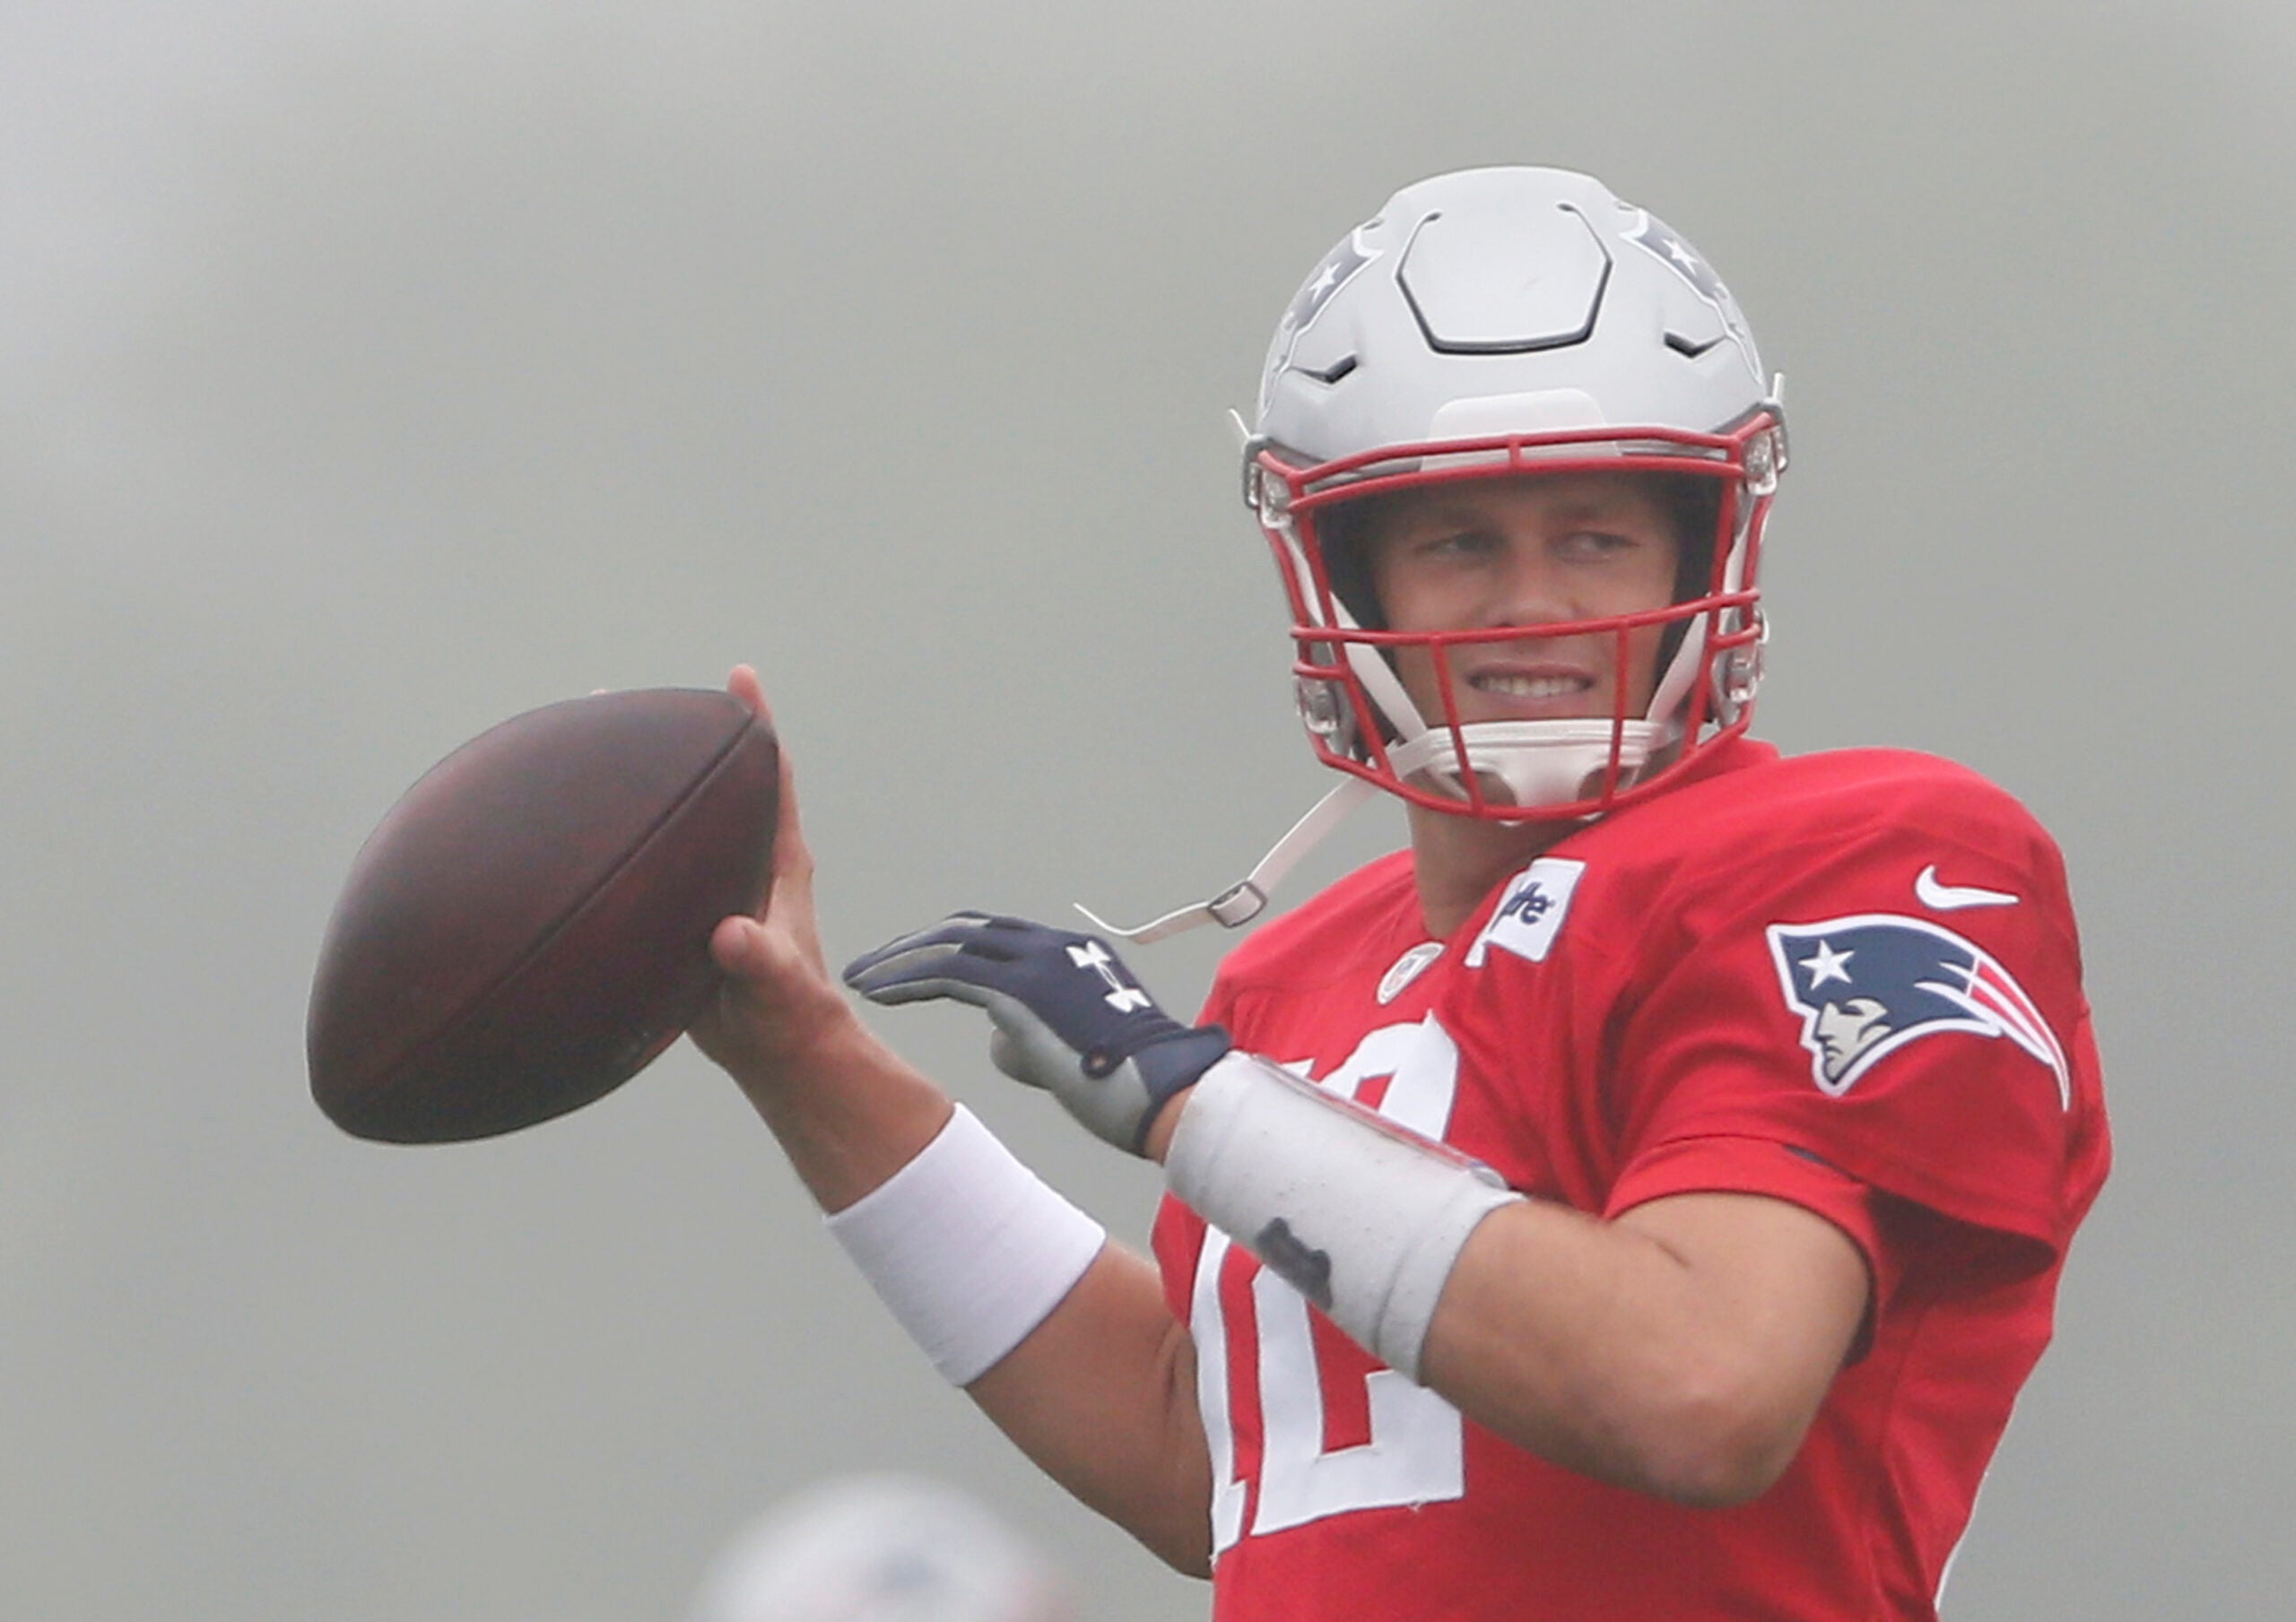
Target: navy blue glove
x=1069, y=1018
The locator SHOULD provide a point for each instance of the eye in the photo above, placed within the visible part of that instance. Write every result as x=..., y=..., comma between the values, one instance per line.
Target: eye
x=1595, y=544
x=1461, y=543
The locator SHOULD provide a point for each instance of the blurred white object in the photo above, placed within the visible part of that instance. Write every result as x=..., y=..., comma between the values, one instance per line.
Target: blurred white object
x=881, y=1549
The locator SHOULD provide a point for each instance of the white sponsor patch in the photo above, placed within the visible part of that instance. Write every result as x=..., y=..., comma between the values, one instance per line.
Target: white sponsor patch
x=1530, y=914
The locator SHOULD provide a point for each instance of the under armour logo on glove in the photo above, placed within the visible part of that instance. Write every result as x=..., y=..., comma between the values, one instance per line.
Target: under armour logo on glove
x=1121, y=997
x=1069, y=1018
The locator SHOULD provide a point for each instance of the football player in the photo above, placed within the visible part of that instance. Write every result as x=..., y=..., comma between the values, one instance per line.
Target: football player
x=1645, y=1194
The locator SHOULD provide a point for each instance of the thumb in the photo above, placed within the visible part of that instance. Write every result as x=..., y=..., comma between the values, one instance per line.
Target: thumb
x=738, y=947
x=1006, y=1053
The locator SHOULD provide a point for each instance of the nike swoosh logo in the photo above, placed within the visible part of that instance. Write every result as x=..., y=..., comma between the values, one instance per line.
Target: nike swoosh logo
x=1952, y=897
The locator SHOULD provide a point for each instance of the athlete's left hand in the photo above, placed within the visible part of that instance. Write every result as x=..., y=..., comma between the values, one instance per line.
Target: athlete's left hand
x=1069, y=1018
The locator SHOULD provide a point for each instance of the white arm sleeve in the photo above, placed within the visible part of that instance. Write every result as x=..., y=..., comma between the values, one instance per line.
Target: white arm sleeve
x=1363, y=1216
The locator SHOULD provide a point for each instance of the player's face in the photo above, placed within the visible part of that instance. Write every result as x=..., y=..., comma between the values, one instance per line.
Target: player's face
x=1529, y=551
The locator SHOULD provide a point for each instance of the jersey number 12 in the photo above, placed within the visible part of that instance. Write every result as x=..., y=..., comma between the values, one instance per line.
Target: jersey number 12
x=1417, y=1450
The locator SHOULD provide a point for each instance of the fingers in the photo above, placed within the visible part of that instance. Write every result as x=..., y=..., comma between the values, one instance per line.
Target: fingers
x=791, y=859
x=789, y=896
x=743, y=683
x=901, y=956
x=891, y=978
x=926, y=990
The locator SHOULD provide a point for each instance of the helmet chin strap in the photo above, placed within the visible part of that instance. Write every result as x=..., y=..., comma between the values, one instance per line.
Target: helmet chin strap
x=1246, y=899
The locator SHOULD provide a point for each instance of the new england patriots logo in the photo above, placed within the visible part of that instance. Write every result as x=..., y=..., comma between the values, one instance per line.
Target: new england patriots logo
x=1668, y=246
x=1337, y=269
x=1680, y=257
x=1868, y=984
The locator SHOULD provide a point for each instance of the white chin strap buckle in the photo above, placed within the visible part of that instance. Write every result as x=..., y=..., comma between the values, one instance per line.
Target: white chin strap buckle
x=1245, y=899
x=1231, y=908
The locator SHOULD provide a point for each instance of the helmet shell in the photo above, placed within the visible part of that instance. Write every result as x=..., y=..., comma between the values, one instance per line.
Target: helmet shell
x=1508, y=300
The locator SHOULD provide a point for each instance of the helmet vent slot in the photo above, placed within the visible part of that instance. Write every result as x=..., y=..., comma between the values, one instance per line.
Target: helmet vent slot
x=1333, y=372
x=1690, y=349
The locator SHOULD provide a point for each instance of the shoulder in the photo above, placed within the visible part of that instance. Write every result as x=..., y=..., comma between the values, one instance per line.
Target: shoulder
x=1762, y=839
x=1856, y=805
x=1867, y=955
x=1792, y=793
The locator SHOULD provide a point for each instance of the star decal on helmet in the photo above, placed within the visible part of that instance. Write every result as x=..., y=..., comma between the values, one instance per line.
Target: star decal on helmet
x=1679, y=256
x=1667, y=246
x=1336, y=270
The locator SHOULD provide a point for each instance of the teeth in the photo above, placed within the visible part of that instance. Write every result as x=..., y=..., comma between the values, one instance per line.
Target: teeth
x=1531, y=687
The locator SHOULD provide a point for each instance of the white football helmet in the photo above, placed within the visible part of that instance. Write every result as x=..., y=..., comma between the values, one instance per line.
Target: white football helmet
x=881, y=1549
x=1501, y=321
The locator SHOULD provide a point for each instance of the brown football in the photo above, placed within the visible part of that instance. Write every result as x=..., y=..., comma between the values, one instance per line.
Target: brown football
x=530, y=924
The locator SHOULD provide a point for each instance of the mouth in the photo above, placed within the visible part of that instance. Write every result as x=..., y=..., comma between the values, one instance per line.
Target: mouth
x=1508, y=684
x=1533, y=692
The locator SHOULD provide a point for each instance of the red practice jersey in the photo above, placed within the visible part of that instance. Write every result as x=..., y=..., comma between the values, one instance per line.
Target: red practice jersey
x=1851, y=981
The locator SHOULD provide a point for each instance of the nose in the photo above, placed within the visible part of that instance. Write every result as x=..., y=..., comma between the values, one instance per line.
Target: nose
x=1528, y=589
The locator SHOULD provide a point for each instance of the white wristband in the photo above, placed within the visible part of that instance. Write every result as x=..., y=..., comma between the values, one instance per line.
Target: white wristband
x=1363, y=1216
x=970, y=1248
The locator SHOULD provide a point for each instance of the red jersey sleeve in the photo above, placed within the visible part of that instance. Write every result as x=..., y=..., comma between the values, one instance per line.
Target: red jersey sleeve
x=1839, y=1017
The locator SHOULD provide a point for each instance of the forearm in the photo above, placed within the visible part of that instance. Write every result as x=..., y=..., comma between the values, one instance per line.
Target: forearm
x=859, y=1113
x=1102, y=1397
x=1063, y=1337
x=1100, y=1393
x=1605, y=1348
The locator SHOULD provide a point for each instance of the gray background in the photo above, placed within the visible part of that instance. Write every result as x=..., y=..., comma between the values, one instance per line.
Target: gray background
x=371, y=371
